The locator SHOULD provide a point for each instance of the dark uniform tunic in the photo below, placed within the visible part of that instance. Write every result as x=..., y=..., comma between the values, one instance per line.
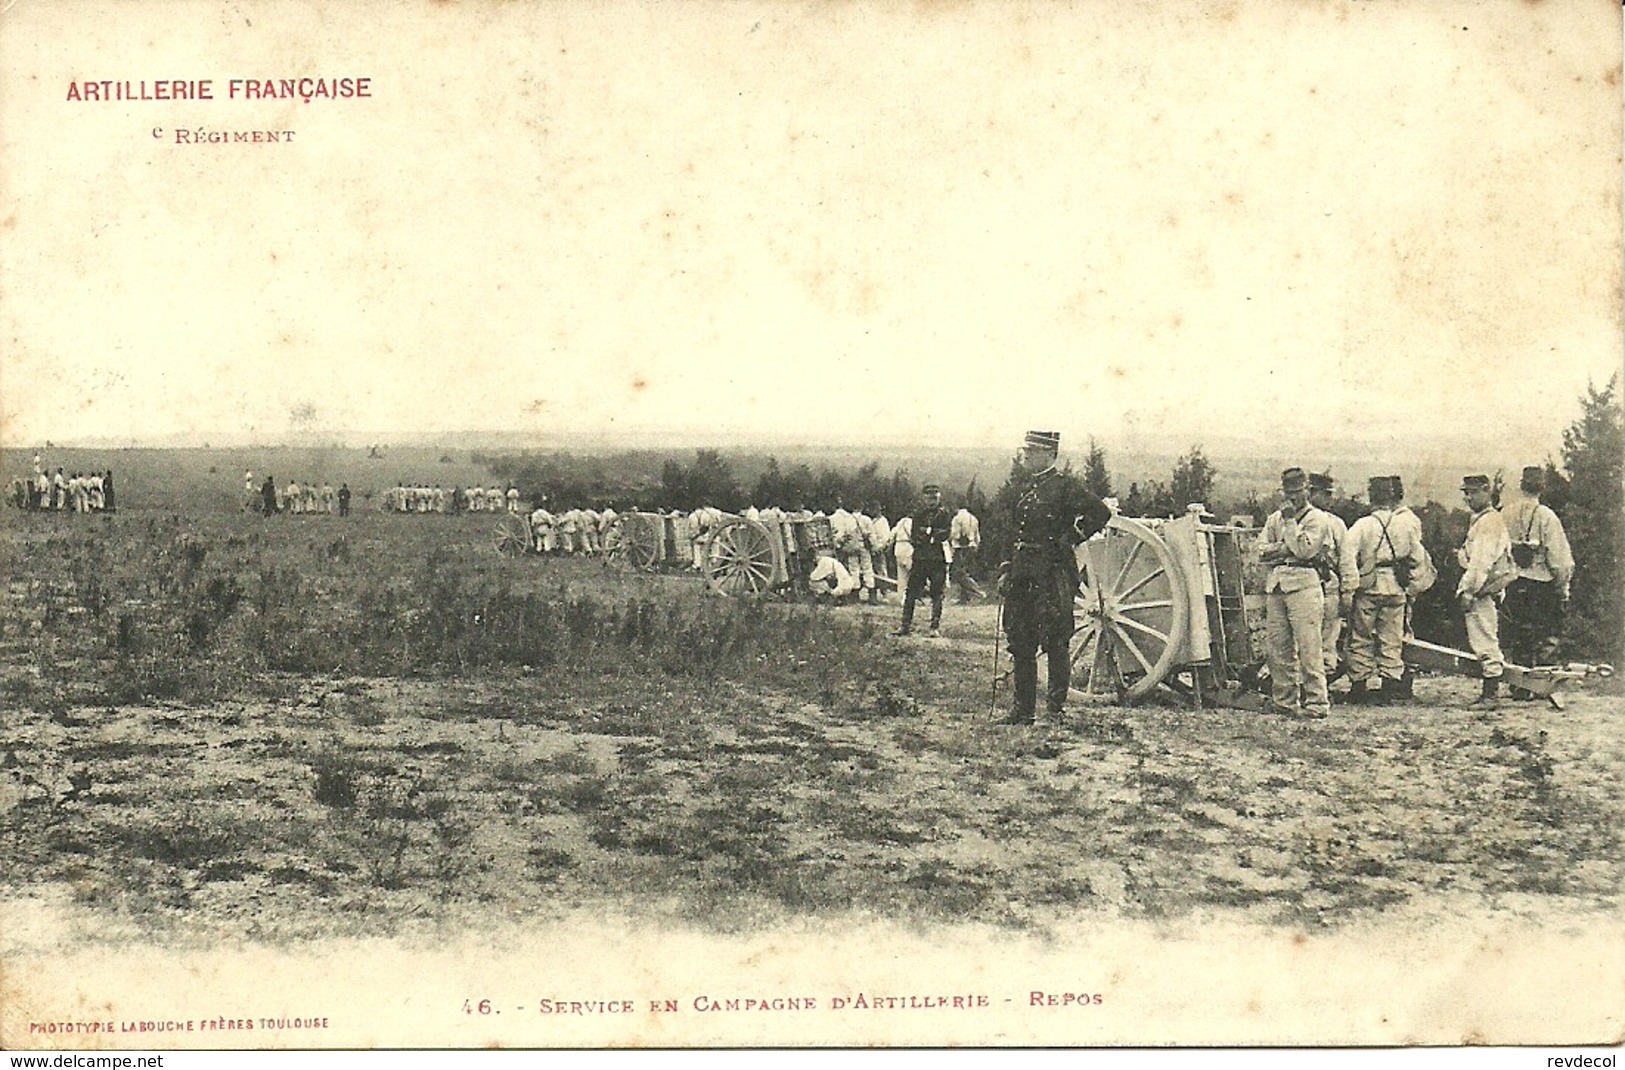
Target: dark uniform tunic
x=1052, y=515
x=930, y=571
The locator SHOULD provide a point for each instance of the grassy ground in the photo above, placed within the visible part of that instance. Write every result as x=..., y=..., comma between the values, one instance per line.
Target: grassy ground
x=301, y=727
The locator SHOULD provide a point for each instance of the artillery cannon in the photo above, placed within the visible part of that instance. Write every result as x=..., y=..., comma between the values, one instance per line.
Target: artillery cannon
x=1180, y=604
x=747, y=556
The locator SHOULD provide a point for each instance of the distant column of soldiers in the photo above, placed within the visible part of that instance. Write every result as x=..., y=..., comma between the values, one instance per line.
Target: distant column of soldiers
x=79, y=492
x=306, y=498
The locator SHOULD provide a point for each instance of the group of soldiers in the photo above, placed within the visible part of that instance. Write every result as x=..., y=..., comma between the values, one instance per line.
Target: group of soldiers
x=842, y=556
x=80, y=492
x=573, y=531
x=407, y=498
x=1326, y=579
x=294, y=497
x=1328, y=585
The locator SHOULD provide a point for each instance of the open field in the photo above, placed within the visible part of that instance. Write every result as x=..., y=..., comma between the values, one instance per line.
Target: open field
x=302, y=727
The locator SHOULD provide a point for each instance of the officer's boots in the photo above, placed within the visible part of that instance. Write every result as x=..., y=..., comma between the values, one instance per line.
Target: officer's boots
x=1357, y=693
x=1489, y=695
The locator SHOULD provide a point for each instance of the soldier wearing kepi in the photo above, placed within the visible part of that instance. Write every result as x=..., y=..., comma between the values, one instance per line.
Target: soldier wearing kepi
x=1052, y=516
x=1294, y=539
x=1487, y=568
x=1532, y=612
x=928, y=534
x=1385, y=556
x=1336, y=587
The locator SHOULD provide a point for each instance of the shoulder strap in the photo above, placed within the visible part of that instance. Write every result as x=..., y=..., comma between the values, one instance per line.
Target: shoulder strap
x=1387, y=538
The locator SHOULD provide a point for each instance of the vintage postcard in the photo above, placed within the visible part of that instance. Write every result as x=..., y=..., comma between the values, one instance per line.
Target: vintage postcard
x=649, y=524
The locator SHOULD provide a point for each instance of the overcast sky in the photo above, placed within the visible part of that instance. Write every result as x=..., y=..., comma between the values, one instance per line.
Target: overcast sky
x=932, y=223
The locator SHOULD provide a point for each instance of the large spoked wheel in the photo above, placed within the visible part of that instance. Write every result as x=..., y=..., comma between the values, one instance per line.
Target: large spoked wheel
x=634, y=541
x=512, y=536
x=1132, y=613
x=739, y=558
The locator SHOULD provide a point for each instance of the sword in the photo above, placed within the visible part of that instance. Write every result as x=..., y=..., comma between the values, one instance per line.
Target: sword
x=993, y=698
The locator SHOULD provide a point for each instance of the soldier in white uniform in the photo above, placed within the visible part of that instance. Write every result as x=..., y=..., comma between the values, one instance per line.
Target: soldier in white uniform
x=848, y=536
x=902, y=540
x=1384, y=555
x=541, y=530
x=1293, y=540
x=1532, y=612
x=964, y=538
x=699, y=527
x=1487, y=570
x=831, y=579
x=1335, y=588
x=880, y=544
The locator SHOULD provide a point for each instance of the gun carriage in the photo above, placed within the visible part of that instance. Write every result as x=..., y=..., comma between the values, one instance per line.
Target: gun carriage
x=745, y=556
x=1179, y=604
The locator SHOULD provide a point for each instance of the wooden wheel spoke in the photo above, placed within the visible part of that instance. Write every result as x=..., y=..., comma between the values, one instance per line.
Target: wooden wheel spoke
x=1130, y=607
x=1135, y=650
x=1142, y=581
x=1128, y=562
x=1144, y=629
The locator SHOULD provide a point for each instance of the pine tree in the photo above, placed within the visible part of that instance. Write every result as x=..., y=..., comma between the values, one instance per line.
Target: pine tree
x=1594, y=518
x=1192, y=480
x=1096, y=479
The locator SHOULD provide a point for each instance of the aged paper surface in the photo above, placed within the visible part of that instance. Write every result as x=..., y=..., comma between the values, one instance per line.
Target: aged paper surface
x=934, y=224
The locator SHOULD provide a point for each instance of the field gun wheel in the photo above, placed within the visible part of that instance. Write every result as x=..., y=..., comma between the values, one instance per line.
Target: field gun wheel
x=512, y=536
x=1132, y=612
x=740, y=559
x=635, y=541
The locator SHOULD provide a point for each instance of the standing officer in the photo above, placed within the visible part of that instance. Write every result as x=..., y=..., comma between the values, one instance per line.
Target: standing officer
x=1052, y=515
x=928, y=534
x=1487, y=568
x=1294, y=539
x=1532, y=612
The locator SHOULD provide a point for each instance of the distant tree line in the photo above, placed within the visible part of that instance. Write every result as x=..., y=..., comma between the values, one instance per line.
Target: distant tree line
x=640, y=481
x=1587, y=491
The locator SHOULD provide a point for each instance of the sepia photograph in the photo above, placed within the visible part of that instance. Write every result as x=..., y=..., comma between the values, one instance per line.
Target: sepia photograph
x=593, y=524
